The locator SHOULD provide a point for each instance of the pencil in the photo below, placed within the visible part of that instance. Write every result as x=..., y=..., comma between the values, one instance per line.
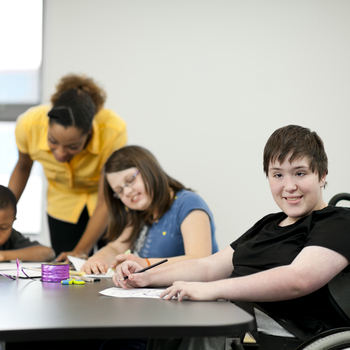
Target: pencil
x=146, y=268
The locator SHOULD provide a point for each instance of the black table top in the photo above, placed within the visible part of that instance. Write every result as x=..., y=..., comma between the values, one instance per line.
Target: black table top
x=32, y=310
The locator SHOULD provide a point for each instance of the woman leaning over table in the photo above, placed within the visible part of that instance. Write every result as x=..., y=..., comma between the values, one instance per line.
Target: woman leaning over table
x=72, y=139
x=151, y=214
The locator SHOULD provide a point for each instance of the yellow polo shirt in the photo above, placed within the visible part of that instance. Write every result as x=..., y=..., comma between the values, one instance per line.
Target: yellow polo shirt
x=73, y=185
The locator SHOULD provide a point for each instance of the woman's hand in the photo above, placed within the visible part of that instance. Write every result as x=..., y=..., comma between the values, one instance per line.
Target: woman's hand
x=128, y=268
x=64, y=256
x=120, y=258
x=95, y=265
x=191, y=290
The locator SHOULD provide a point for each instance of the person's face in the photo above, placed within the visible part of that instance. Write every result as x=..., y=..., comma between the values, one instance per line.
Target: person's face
x=65, y=143
x=296, y=189
x=7, y=217
x=134, y=196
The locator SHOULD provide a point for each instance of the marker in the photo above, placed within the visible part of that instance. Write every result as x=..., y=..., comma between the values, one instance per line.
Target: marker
x=111, y=270
x=146, y=268
x=77, y=273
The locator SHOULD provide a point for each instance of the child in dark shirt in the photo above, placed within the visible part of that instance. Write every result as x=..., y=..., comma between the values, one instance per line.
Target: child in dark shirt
x=13, y=245
x=282, y=264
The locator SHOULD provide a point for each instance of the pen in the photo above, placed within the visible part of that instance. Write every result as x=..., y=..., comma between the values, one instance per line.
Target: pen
x=146, y=268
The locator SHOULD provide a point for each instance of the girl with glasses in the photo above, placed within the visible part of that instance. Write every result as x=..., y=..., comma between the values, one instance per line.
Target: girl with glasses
x=151, y=214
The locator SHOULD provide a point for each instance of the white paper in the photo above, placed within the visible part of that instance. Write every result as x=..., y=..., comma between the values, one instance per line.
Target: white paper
x=10, y=268
x=132, y=292
x=77, y=262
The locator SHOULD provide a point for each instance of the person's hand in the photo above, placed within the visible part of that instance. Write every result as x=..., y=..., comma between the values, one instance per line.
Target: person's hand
x=95, y=266
x=120, y=258
x=128, y=268
x=64, y=256
x=191, y=291
x=2, y=257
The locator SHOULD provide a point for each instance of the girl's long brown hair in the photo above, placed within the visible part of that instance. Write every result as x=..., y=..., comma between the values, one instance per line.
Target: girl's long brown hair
x=157, y=184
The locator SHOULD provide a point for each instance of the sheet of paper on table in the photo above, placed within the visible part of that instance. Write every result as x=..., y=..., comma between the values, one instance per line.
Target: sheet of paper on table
x=132, y=292
x=10, y=268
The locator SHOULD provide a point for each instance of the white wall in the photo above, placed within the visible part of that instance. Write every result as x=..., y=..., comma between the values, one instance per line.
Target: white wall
x=203, y=84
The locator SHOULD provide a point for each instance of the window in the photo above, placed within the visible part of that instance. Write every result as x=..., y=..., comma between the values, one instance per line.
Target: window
x=21, y=55
x=20, y=87
x=29, y=209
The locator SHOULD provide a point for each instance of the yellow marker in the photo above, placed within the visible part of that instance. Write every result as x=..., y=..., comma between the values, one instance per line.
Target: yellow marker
x=164, y=233
x=77, y=273
x=112, y=270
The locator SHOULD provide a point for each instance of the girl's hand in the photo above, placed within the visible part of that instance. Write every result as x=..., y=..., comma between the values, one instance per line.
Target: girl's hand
x=95, y=266
x=128, y=257
x=128, y=268
x=191, y=290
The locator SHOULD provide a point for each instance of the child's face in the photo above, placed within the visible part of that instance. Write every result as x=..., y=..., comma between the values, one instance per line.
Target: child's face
x=7, y=217
x=296, y=189
x=134, y=196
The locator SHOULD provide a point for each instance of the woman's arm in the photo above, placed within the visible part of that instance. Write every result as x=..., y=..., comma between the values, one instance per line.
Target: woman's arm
x=33, y=253
x=314, y=267
x=94, y=230
x=101, y=261
x=196, y=234
x=20, y=174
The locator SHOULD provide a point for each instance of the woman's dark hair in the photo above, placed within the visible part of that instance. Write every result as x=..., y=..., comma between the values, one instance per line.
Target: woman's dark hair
x=76, y=101
x=7, y=199
x=157, y=184
x=297, y=142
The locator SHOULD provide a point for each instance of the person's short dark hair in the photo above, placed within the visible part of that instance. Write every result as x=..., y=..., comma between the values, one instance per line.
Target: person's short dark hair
x=7, y=199
x=157, y=184
x=297, y=142
x=76, y=101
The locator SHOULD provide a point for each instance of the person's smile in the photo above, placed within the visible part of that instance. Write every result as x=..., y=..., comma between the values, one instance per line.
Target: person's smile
x=295, y=188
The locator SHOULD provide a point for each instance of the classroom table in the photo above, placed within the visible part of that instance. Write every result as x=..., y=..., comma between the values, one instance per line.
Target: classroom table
x=34, y=310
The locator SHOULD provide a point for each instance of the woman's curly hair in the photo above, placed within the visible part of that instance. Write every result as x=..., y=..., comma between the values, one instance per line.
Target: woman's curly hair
x=83, y=83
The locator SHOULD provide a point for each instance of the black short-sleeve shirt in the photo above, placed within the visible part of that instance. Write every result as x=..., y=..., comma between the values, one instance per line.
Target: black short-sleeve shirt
x=267, y=245
x=17, y=241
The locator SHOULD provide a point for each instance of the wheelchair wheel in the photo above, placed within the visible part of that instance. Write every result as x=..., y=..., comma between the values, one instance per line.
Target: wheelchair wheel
x=336, y=341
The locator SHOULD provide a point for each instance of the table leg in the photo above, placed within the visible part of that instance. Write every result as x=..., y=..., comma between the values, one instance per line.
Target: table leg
x=233, y=344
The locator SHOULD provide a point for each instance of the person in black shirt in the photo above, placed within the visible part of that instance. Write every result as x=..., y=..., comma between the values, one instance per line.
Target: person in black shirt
x=13, y=245
x=284, y=262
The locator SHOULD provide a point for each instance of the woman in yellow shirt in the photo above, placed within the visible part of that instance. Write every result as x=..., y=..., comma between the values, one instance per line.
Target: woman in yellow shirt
x=72, y=139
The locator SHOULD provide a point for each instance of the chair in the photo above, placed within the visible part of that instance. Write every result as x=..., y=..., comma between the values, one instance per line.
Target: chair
x=339, y=338
x=334, y=339
x=339, y=197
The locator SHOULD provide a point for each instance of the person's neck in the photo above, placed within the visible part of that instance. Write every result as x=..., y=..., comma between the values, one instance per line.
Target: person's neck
x=155, y=214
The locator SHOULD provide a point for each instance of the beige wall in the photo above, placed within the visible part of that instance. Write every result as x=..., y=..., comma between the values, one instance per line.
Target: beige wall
x=203, y=84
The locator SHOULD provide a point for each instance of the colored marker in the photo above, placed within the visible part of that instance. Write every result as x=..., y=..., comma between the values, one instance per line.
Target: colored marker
x=111, y=270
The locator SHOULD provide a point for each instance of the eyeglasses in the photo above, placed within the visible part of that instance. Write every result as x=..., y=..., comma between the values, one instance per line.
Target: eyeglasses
x=128, y=183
